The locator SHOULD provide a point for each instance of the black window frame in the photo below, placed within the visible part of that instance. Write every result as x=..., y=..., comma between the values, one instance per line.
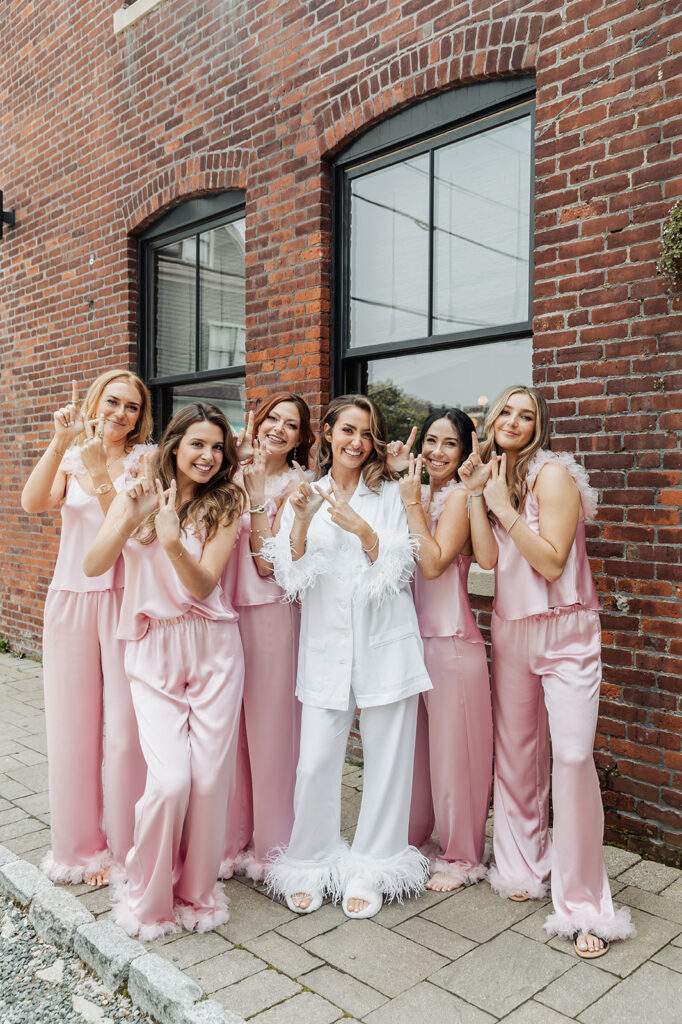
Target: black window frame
x=422, y=128
x=186, y=220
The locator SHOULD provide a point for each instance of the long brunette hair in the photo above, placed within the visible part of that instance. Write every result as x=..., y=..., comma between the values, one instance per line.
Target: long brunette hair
x=540, y=438
x=374, y=470
x=220, y=499
x=306, y=437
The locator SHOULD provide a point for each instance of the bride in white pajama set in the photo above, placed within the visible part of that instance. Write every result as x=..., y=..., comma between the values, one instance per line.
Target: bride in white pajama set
x=350, y=562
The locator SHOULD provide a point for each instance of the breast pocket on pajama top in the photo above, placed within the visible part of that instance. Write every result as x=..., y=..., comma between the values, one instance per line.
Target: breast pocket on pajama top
x=314, y=662
x=396, y=654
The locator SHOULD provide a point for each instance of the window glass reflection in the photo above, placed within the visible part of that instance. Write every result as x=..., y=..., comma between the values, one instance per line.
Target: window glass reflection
x=222, y=296
x=174, y=305
x=408, y=388
x=389, y=254
x=228, y=395
x=481, y=229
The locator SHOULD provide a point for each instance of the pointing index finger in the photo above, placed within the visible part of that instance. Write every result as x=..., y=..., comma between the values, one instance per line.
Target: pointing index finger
x=74, y=392
x=303, y=478
x=410, y=440
x=474, y=442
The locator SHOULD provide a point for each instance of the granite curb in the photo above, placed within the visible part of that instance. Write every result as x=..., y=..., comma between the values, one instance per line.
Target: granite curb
x=154, y=985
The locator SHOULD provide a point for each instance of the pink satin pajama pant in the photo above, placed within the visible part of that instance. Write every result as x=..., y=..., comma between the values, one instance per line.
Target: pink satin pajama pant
x=82, y=659
x=187, y=679
x=546, y=673
x=261, y=813
x=453, y=758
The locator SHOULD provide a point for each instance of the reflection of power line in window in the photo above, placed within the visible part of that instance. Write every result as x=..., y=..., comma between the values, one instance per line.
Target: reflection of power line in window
x=424, y=226
x=420, y=313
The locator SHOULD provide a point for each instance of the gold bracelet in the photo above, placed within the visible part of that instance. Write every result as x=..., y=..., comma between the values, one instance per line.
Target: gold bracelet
x=56, y=452
x=510, y=528
x=177, y=557
x=407, y=505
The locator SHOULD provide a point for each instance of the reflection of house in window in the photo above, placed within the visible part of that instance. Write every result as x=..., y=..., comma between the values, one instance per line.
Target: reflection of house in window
x=193, y=300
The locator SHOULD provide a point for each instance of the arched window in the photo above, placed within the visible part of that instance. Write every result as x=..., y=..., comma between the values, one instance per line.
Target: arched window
x=433, y=253
x=192, y=302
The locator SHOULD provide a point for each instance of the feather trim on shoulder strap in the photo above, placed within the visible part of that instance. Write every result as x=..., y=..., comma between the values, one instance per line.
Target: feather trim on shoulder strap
x=588, y=494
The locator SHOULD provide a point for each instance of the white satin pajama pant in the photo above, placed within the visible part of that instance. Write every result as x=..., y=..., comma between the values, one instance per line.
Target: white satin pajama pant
x=83, y=668
x=546, y=673
x=187, y=678
x=317, y=859
x=453, y=760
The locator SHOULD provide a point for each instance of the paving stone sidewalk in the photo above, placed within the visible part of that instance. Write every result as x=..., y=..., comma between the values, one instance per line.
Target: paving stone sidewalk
x=466, y=958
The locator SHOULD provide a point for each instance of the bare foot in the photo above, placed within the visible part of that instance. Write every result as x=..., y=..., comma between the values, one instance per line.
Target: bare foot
x=442, y=882
x=356, y=906
x=97, y=878
x=589, y=946
x=519, y=897
x=302, y=900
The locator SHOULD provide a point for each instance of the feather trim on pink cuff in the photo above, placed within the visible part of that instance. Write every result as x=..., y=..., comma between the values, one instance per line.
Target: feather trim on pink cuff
x=588, y=494
x=507, y=887
x=72, y=874
x=616, y=926
x=203, y=919
x=246, y=864
x=126, y=919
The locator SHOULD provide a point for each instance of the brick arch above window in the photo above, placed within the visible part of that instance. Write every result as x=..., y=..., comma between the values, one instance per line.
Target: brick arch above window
x=485, y=51
x=201, y=175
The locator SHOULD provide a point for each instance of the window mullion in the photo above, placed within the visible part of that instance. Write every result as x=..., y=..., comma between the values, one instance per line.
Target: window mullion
x=429, y=314
x=197, y=309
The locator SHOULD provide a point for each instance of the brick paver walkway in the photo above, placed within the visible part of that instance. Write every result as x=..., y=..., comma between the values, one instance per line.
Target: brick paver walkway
x=467, y=958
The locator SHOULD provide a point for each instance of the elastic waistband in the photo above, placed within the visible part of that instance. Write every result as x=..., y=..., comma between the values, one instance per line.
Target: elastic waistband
x=551, y=613
x=180, y=620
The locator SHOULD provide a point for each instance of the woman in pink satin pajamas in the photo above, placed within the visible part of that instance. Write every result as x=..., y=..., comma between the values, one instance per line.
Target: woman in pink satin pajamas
x=261, y=812
x=177, y=526
x=454, y=747
x=82, y=658
x=528, y=507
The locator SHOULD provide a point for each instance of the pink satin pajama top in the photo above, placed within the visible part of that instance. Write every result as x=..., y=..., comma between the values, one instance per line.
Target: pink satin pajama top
x=82, y=517
x=153, y=589
x=521, y=591
x=443, y=607
x=251, y=588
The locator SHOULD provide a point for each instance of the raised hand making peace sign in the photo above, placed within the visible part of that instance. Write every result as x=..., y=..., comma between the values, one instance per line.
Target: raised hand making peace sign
x=473, y=472
x=398, y=454
x=340, y=511
x=305, y=500
x=69, y=420
x=244, y=440
x=93, y=452
x=141, y=498
x=254, y=476
x=167, y=521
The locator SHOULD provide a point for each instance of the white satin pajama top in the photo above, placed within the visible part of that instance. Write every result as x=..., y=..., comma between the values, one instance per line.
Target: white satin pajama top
x=359, y=628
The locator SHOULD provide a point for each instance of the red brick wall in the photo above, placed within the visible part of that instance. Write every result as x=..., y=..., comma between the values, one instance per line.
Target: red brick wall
x=98, y=134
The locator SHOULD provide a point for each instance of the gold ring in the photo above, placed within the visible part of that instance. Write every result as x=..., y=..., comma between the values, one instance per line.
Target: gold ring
x=100, y=433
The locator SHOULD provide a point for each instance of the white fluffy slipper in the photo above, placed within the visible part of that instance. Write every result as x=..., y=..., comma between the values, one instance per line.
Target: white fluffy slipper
x=356, y=889
x=315, y=902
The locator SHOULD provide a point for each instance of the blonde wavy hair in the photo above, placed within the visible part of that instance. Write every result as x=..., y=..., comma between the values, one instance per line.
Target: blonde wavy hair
x=142, y=430
x=374, y=470
x=540, y=438
x=215, y=503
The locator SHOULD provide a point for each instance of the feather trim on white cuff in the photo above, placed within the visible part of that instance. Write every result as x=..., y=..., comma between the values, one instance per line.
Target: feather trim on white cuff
x=287, y=875
x=293, y=577
x=392, y=570
x=404, y=874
